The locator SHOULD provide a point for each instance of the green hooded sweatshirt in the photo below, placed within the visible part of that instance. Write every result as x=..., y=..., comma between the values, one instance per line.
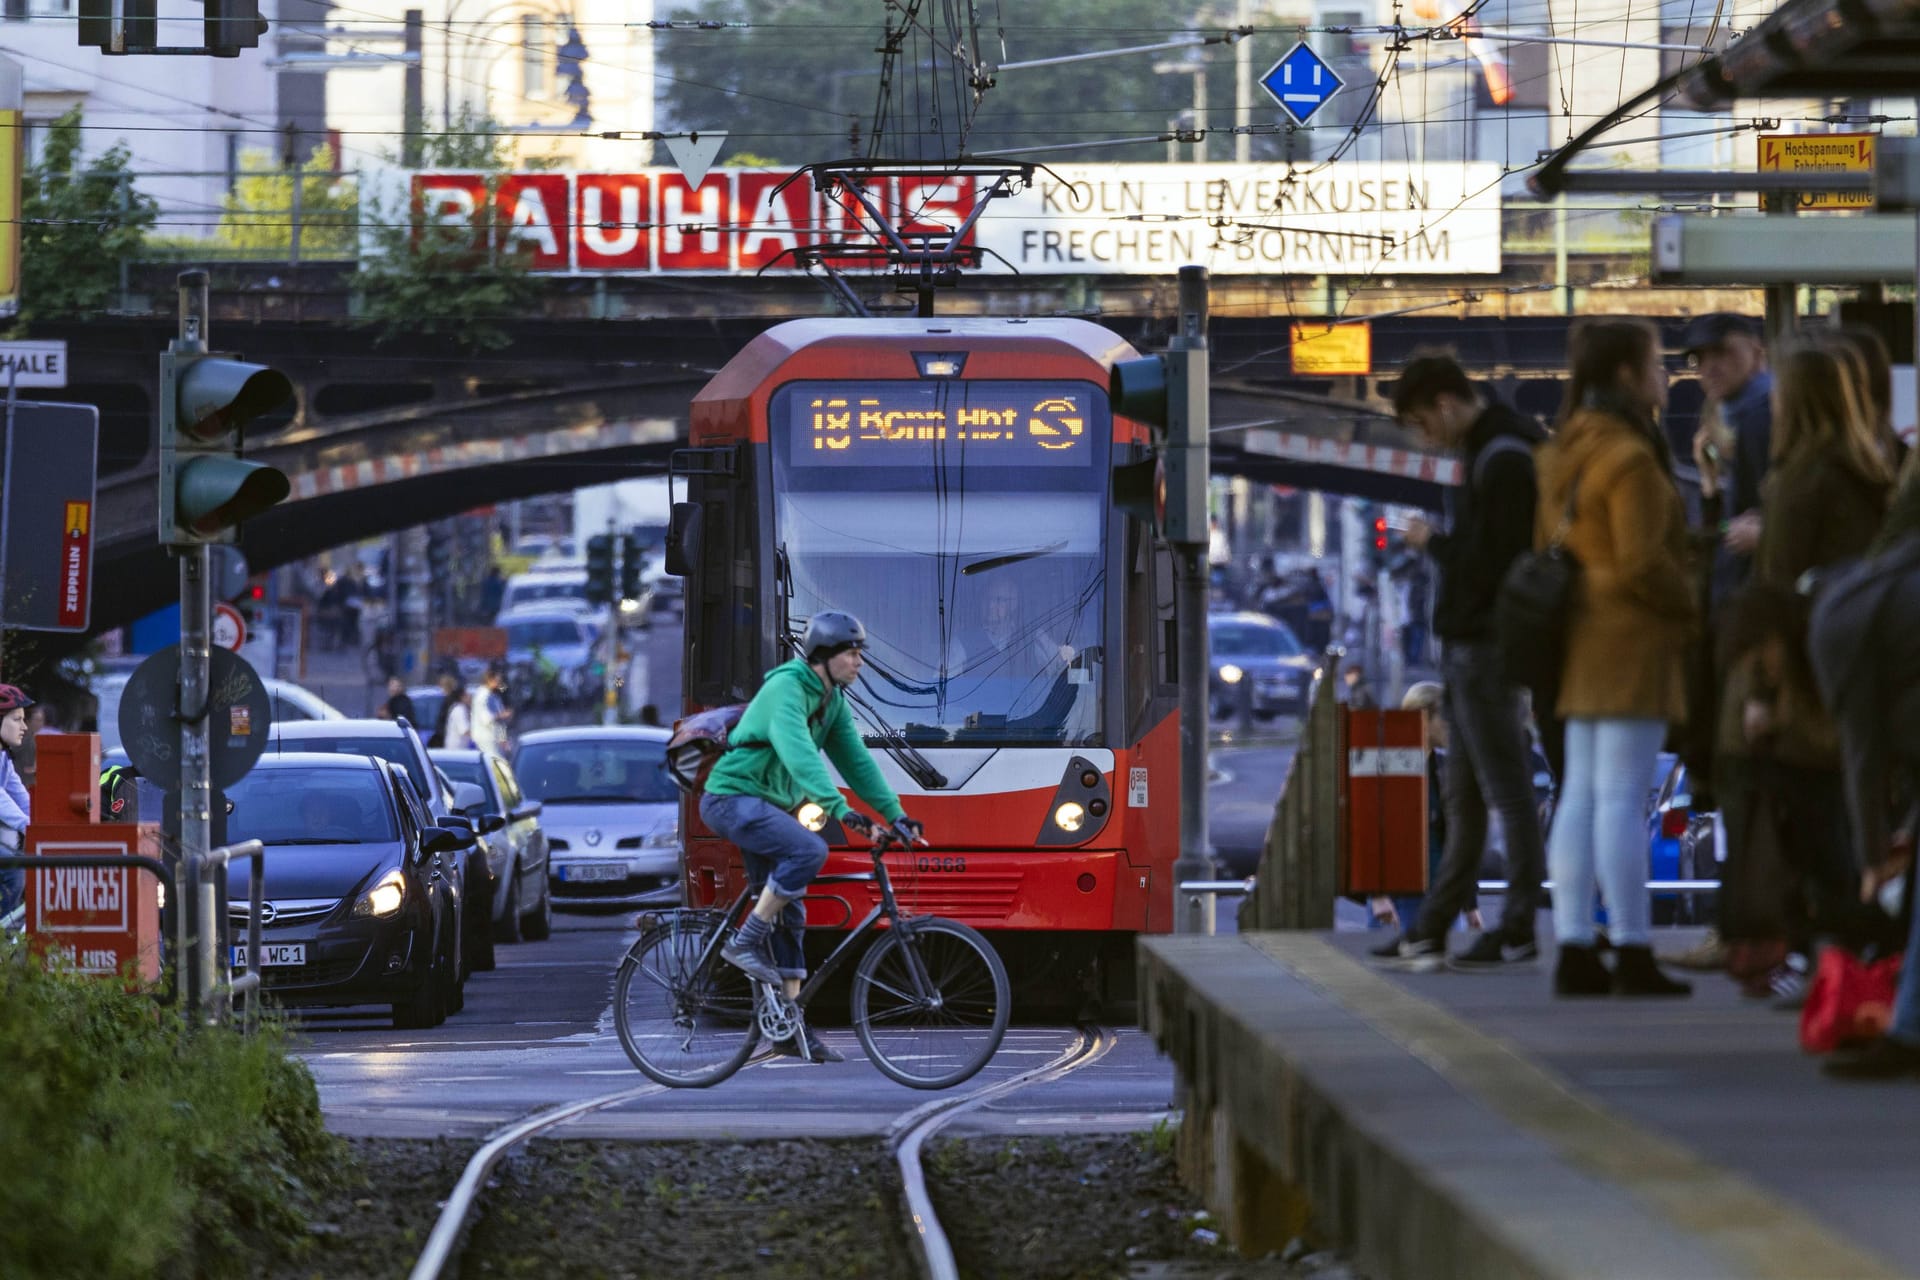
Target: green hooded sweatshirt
x=789, y=772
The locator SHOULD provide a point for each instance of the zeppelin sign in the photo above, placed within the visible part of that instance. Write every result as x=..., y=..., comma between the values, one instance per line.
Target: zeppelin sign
x=1342, y=219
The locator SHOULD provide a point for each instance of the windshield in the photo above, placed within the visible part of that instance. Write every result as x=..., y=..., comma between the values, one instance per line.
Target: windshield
x=1252, y=640
x=395, y=748
x=463, y=771
x=310, y=806
x=596, y=771
x=546, y=632
x=964, y=524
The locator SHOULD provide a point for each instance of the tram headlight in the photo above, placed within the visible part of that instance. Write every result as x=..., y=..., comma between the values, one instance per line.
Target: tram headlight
x=1070, y=816
x=812, y=816
x=1230, y=674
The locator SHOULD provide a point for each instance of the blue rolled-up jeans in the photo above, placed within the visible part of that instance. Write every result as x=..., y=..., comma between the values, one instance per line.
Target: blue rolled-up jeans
x=776, y=850
x=1600, y=829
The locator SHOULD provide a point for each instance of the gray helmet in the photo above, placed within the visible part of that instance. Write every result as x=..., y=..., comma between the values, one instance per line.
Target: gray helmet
x=830, y=632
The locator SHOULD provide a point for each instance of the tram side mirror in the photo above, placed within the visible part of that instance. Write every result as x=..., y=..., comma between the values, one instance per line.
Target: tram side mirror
x=683, y=539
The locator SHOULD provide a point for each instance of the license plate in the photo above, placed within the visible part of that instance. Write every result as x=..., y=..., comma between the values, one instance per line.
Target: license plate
x=273, y=953
x=593, y=871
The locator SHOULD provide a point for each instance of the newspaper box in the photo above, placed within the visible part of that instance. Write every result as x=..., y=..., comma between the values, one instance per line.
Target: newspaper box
x=1386, y=803
x=100, y=920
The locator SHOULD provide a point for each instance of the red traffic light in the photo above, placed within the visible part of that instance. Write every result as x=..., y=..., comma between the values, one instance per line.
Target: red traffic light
x=1380, y=533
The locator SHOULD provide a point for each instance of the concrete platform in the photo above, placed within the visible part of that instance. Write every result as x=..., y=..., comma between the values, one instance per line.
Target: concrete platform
x=1472, y=1126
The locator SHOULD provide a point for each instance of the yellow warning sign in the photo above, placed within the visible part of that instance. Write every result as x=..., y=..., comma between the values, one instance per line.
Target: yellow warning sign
x=1331, y=350
x=1821, y=153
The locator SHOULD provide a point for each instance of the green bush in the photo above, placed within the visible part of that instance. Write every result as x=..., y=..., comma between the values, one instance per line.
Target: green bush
x=132, y=1146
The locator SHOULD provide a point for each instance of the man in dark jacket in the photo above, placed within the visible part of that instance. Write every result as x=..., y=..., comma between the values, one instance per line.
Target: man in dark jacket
x=1489, y=765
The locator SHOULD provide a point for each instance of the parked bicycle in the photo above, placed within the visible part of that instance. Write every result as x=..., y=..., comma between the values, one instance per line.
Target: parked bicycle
x=930, y=997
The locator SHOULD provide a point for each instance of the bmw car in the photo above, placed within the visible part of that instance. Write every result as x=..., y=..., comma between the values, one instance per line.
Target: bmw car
x=357, y=909
x=611, y=813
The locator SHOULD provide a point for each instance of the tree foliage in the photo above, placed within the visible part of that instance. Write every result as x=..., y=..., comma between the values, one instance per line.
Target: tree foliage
x=459, y=281
x=802, y=84
x=267, y=201
x=79, y=221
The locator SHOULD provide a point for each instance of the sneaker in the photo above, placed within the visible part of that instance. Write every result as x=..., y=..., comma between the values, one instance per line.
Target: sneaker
x=1418, y=955
x=1491, y=952
x=818, y=1050
x=1707, y=956
x=755, y=962
x=1388, y=950
x=1883, y=1059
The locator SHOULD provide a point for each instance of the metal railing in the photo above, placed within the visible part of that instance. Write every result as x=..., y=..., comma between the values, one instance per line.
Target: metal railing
x=208, y=995
x=1298, y=876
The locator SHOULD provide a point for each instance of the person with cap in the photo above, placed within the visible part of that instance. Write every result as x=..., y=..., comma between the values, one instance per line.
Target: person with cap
x=1727, y=355
x=770, y=770
x=16, y=805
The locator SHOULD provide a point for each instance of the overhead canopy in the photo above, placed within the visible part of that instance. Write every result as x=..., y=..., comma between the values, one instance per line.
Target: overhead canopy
x=1815, y=48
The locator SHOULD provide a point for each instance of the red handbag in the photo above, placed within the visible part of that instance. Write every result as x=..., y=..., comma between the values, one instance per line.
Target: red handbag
x=1849, y=1002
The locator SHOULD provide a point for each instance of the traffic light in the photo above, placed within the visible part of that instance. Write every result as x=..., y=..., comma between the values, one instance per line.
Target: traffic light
x=439, y=555
x=600, y=569
x=139, y=24
x=228, y=26
x=1381, y=539
x=630, y=563
x=206, y=489
x=234, y=24
x=1168, y=394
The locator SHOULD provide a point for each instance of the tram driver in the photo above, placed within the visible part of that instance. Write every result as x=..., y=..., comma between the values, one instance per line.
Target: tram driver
x=1016, y=649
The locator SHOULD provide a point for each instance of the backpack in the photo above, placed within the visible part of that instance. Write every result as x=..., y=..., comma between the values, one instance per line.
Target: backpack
x=699, y=740
x=1534, y=607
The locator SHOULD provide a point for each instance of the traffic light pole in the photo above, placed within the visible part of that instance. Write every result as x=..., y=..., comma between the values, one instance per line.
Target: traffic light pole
x=199, y=925
x=610, y=704
x=1188, y=422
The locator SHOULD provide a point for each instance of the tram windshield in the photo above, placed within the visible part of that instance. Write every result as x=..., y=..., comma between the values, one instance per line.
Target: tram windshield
x=964, y=524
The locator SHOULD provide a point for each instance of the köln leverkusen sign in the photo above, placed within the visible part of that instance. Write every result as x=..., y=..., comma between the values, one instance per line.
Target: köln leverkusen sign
x=1116, y=219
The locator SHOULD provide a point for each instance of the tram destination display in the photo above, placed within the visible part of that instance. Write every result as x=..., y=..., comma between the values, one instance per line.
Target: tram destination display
x=891, y=424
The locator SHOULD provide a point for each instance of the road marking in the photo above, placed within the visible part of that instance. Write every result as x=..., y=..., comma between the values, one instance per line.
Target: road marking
x=456, y=1079
x=1764, y=1236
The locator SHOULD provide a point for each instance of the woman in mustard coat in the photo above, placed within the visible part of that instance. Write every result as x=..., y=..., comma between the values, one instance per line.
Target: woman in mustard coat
x=1606, y=488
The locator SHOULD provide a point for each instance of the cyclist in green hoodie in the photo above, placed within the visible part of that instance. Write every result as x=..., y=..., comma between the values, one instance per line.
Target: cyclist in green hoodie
x=770, y=770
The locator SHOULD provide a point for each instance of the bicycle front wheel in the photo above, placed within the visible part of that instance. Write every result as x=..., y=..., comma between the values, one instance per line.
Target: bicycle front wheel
x=684, y=1022
x=930, y=1003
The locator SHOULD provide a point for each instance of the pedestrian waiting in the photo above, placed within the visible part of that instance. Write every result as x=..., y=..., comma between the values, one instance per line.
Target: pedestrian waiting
x=1489, y=759
x=1607, y=494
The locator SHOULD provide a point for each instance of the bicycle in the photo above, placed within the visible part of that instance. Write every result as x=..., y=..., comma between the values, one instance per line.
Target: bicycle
x=930, y=996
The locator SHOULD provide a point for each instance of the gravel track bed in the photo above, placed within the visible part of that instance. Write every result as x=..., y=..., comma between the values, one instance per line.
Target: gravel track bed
x=810, y=1209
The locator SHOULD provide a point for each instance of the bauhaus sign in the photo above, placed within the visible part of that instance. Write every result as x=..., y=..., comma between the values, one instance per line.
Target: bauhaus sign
x=1341, y=219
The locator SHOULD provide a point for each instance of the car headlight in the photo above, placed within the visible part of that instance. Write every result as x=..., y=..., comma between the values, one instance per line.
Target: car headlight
x=1070, y=816
x=811, y=816
x=1230, y=674
x=383, y=899
x=665, y=838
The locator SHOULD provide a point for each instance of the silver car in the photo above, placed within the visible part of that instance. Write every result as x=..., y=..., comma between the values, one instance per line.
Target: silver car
x=611, y=813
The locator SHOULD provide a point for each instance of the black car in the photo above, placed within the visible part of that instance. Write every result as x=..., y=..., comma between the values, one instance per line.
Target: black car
x=517, y=853
x=1257, y=662
x=356, y=909
x=446, y=803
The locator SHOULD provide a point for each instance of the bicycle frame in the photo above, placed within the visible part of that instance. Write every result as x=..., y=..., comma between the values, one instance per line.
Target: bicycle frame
x=888, y=908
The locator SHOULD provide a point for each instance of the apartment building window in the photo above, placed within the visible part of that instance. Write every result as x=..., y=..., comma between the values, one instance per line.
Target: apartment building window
x=14, y=10
x=536, y=58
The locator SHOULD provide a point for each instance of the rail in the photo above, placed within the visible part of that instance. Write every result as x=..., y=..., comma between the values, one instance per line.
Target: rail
x=159, y=870
x=212, y=994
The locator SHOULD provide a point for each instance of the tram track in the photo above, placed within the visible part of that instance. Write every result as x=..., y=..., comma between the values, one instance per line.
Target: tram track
x=905, y=1139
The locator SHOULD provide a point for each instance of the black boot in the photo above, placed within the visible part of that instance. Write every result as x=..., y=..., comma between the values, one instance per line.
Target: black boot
x=1580, y=973
x=1636, y=974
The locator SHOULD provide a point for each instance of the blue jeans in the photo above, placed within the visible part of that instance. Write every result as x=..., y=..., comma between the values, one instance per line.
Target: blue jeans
x=776, y=850
x=13, y=885
x=1600, y=829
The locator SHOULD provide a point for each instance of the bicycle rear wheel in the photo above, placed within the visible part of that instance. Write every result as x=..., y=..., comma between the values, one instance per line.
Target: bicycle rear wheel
x=932, y=1028
x=682, y=1022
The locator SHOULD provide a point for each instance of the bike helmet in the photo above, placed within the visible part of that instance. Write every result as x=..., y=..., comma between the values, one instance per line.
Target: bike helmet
x=830, y=633
x=14, y=698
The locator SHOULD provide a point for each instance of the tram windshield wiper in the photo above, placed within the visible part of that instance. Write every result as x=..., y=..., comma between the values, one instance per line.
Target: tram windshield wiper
x=1012, y=557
